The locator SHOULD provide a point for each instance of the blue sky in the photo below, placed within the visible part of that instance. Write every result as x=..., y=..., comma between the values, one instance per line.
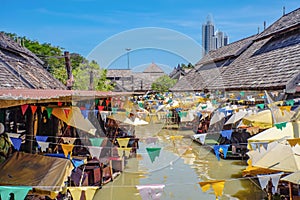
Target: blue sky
x=83, y=26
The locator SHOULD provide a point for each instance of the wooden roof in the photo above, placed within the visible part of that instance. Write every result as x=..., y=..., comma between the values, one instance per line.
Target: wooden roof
x=20, y=68
x=266, y=61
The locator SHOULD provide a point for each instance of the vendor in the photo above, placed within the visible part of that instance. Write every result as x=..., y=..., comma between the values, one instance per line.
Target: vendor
x=5, y=144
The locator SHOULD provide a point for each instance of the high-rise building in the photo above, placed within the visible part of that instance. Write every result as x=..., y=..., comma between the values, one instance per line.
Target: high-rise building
x=212, y=40
x=208, y=31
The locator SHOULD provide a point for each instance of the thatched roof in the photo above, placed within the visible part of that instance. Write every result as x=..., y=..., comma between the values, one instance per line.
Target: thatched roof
x=20, y=68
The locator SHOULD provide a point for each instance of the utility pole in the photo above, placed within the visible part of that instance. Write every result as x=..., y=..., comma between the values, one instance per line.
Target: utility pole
x=70, y=79
x=128, y=49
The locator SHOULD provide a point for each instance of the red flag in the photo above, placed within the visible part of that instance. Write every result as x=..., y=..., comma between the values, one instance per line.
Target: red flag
x=24, y=108
x=67, y=111
x=33, y=109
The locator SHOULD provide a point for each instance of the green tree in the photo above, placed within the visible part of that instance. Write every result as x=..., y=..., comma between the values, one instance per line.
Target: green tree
x=163, y=83
x=89, y=76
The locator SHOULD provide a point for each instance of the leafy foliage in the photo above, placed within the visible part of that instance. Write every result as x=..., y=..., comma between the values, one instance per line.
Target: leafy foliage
x=163, y=83
x=54, y=62
x=91, y=72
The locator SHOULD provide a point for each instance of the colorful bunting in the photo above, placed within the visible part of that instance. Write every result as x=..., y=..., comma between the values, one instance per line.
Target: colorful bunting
x=264, y=179
x=221, y=148
x=69, y=140
x=20, y=192
x=122, y=150
x=41, y=138
x=49, y=112
x=16, y=142
x=66, y=111
x=280, y=125
x=67, y=149
x=85, y=113
x=24, y=108
x=294, y=141
x=33, y=109
x=96, y=101
x=87, y=106
x=242, y=93
x=153, y=152
x=96, y=141
x=114, y=110
x=290, y=102
x=227, y=134
x=59, y=103
x=123, y=142
x=176, y=137
x=217, y=185
x=43, y=145
x=260, y=106
x=95, y=151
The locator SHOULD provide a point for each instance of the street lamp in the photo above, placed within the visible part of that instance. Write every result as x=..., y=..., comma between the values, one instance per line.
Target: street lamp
x=127, y=49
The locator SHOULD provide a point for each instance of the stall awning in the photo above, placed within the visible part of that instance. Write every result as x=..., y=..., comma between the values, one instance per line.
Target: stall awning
x=73, y=117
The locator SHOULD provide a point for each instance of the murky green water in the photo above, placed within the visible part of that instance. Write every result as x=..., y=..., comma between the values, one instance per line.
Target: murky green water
x=180, y=166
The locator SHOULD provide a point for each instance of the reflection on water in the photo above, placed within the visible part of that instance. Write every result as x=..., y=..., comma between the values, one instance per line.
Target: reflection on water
x=180, y=165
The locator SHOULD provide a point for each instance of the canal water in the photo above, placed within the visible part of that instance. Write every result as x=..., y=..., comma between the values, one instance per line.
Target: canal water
x=180, y=166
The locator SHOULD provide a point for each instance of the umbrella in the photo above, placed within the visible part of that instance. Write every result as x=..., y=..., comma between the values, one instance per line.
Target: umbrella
x=293, y=177
x=74, y=118
x=236, y=117
x=217, y=116
x=281, y=157
x=291, y=130
x=266, y=118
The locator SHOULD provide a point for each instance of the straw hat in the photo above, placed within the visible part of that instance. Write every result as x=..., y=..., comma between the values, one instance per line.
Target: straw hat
x=1, y=128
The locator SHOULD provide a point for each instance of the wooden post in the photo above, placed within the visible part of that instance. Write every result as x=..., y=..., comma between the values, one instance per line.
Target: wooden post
x=69, y=70
x=30, y=122
x=291, y=190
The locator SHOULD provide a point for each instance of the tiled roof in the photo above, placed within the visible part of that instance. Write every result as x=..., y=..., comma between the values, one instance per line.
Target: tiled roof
x=20, y=68
x=266, y=61
x=118, y=73
x=153, y=68
x=286, y=22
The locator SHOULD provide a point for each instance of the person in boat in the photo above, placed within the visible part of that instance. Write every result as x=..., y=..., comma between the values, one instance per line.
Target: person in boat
x=5, y=144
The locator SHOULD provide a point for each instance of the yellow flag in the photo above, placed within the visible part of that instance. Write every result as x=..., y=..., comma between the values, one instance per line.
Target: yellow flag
x=176, y=137
x=67, y=148
x=123, y=142
x=75, y=192
x=217, y=185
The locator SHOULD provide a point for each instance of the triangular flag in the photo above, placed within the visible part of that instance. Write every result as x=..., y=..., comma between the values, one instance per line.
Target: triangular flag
x=75, y=192
x=153, y=152
x=67, y=149
x=217, y=185
x=87, y=106
x=96, y=141
x=90, y=192
x=20, y=192
x=24, y=108
x=176, y=137
x=49, y=112
x=43, y=145
x=16, y=142
x=123, y=142
x=82, y=108
x=69, y=140
x=96, y=101
x=43, y=108
x=85, y=113
x=95, y=151
x=100, y=108
x=95, y=112
x=59, y=103
x=41, y=138
x=66, y=111
x=33, y=109
x=122, y=150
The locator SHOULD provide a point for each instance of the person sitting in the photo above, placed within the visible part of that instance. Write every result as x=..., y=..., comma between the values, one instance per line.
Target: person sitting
x=5, y=144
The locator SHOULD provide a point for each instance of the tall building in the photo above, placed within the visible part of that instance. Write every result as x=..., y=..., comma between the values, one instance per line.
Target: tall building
x=212, y=40
x=208, y=30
